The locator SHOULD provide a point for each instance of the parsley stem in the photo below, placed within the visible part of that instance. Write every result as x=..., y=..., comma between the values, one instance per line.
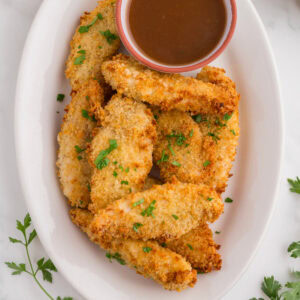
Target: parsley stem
x=32, y=271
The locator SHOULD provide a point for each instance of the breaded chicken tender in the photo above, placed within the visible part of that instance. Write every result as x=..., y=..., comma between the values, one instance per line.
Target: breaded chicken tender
x=168, y=91
x=163, y=212
x=95, y=39
x=148, y=258
x=121, y=151
x=220, y=134
x=199, y=248
x=178, y=150
x=74, y=170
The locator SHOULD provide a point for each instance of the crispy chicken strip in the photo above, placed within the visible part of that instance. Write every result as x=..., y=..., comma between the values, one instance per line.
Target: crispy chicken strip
x=74, y=170
x=220, y=134
x=168, y=91
x=94, y=40
x=149, y=259
x=129, y=134
x=163, y=212
x=199, y=248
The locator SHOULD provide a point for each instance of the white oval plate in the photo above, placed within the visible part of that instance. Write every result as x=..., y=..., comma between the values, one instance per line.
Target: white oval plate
x=248, y=60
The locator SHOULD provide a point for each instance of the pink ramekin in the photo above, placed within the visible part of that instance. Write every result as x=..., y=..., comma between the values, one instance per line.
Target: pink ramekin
x=122, y=13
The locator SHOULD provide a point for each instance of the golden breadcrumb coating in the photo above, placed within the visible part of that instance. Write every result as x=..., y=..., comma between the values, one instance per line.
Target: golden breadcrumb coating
x=220, y=134
x=92, y=46
x=132, y=126
x=163, y=212
x=148, y=258
x=168, y=91
x=199, y=248
x=74, y=170
x=178, y=150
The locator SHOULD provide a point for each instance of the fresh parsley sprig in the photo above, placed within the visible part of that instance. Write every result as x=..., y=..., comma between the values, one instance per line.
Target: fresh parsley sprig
x=295, y=185
x=44, y=266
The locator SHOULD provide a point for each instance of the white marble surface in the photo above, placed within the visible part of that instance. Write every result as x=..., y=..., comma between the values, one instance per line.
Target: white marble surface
x=282, y=21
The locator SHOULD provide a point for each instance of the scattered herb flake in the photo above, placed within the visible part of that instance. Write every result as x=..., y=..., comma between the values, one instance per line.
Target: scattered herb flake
x=175, y=217
x=85, y=114
x=147, y=249
x=78, y=149
x=110, y=37
x=233, y=132
x=164, y=157
x=228, y=200
x=149, y=210
x=217, y=232
x=115, y=174
x=199, y=118
x=171, y=149
x=79, y=60
x=214, y=136
x=124, y=182
x=190, y=246
x=60, y=97
x=136, y=226
x=164, y=245
x=206, y=163
x=209, y=199
x=86, y=28
x=117, y=257
x=191, y=133
x=138, y=202
x=89, y=187
x=227, y=117
x=101, y=160
x=127, y=170
x=81, y=51
x=79, y=157
x=175, y=163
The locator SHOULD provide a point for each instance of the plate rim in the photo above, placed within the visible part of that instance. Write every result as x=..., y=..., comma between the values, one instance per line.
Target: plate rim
x=18, y=129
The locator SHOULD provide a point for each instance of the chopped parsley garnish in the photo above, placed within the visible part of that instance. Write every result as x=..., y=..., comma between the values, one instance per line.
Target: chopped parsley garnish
x=121, y=168
x=127, y=170
x=219, y=123
x=156, y=117
x=136, y=226
x=190, y=246
x=138, y=202
x=78, y=149
x=191, y=133
x=89, y=187
x=79, y=46
x=81, y=51
x=164, y=245
x=85, y=114
x=294, y=249
x=110, y=37
x=175, y=217
x=228, y=200
x=206, y=163
x=175, y=163
x=79, y=60
x=164, y=157
x=295, y=185
x=100, y=47
x=115, y=162
x=210, y=199
x=60, y=97
x=214, y=136
x=217, y=232
x=124, y=182
x=115, y=174
x=79, y=157
x=117, y=257
x=199, y=118
x=232, y=131
x=180, y=138
x=171, y=149
x=101, y=160
x=147, y=249
x=227, y=117
x=149, y=210
x=83, y=29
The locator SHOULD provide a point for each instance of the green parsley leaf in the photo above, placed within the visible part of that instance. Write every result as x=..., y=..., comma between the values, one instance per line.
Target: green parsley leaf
x=209, y=199
x=206, y=163
x=115, y=162
x=86, y=28
x=293, y=293
x=136, y=226
x=79, y=157
x=32, y=235
x=171, y=149
x=115, y=174
x=214, y=136
x=60, y=97
x=110, y=37
x=18, y=268
x=138, y=202
x=294, y=249
x=101, y=160
x=156, y=117
x=228, y=200
x=14, y=241
x=164, y=157
x=175, y=163
x=232, y=131
x=190, y=246
x=117, y=257
x=191, y=133
x=217, y=232
x=175, y=217
x=295, y=185
x=227, y=117
x=180, y=138
x=85, y=114
x=100, y=47
x=164, y=245
x=296, y=274
x=81, y=51
x=149, y=210
x=79, y=60
x=127, y=170
x=271, y=287
x=89, y=187
x=124, y=182
x=147, y=249
x=78, y=149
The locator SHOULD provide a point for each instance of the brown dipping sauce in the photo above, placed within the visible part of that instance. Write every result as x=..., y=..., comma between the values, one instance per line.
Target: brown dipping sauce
x=177, y=32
